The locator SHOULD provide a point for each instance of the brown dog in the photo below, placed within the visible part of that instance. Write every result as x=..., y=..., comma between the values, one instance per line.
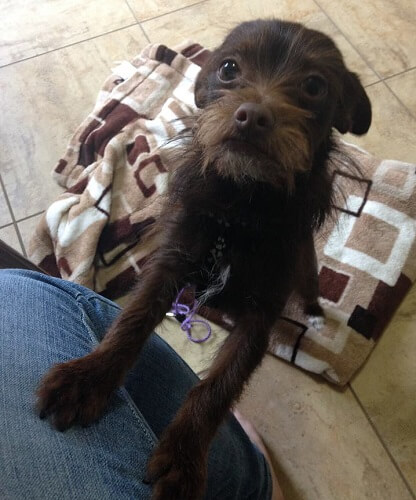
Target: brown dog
x=254, y=177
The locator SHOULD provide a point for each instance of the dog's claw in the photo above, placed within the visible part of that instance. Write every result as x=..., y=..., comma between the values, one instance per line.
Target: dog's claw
x=61, y=428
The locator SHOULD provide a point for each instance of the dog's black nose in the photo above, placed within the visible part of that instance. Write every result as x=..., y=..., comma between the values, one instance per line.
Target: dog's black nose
x=251, y=117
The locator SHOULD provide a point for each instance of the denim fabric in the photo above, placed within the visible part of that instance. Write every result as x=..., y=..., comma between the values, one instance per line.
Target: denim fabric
x=43, y=321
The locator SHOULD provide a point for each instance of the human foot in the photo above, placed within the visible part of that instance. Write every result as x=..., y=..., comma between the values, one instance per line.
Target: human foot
x=256, y=439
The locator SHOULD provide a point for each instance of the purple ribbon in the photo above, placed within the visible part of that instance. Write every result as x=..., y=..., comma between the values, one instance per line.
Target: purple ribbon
x=180, y=309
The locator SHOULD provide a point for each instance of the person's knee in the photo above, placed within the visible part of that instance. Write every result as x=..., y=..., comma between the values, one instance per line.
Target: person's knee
x=6, y=274
x=18, y=281
x=12, y=281
x=19, y=286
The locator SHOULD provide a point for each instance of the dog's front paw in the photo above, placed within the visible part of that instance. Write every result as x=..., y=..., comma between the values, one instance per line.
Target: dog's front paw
x=175, y=474
x=73, y=393
x=315, y=314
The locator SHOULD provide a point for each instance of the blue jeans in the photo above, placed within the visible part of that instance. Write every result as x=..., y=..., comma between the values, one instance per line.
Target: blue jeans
x=45, y=320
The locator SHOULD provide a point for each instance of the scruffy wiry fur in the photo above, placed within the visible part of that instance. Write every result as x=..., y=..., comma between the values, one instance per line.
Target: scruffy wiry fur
x=246, y=194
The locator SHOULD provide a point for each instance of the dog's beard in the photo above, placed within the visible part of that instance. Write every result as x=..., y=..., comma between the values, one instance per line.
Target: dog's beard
x=242, y=167
x=275, y=158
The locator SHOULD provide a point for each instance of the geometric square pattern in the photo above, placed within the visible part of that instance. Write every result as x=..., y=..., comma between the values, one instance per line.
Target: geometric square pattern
x=362, y=321
x=148, y=169
x=165, y=55
x=395, y=178
x=357, y=186
x=388, y=271
x=332, y=284
x=385, y=301
x=139, y=146
x=373, y=229
x=296, y=331
x=336, y=332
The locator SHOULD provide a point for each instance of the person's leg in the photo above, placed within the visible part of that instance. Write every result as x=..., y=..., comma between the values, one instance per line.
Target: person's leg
x=10, y=258
x=44, y=321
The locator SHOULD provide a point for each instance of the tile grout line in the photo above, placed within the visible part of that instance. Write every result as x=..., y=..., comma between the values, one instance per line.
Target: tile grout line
x=386, y=449
x=390, y=77
x=407, y=70
x=14, y=223
x=172, y=11
x=132, y=11
x=398, y=98
x=23, y=219
x=137, y=21
x=144, y=33
x=372, y=84
x=30, y=216
x=348, y=40
x=381, y=79
x=68, y=45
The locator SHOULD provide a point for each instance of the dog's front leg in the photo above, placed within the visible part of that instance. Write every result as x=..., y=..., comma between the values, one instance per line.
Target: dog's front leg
x=178, y=466
x=308, y=282
x=76, y=392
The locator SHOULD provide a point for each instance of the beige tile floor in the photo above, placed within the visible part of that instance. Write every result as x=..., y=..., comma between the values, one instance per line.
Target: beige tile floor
x=54, y=54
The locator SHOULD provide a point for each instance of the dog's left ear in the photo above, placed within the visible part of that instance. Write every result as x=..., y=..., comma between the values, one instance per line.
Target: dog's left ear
x=353, y=113
x=202, y=85
x=206, y=84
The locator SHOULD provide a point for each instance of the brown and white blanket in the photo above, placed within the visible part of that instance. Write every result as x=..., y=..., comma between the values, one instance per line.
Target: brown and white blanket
x=116, y=166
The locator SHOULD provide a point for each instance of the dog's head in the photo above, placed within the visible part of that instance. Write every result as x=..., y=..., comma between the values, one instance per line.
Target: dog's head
x=270, y=95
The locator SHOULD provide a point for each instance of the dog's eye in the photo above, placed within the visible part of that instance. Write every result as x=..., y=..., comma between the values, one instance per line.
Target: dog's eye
x=228, y=70
x=314, y=86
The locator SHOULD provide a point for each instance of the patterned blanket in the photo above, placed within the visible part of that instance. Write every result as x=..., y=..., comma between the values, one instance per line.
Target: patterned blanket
x=116, y=165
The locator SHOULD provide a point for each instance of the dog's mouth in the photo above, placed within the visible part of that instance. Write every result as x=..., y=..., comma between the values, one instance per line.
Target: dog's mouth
x=243, y=147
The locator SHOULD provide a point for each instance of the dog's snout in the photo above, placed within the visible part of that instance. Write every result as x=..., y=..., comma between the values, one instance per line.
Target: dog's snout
x=253, y=117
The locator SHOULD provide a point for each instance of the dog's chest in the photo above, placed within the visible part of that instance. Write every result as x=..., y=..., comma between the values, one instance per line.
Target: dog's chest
x=227, y=236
